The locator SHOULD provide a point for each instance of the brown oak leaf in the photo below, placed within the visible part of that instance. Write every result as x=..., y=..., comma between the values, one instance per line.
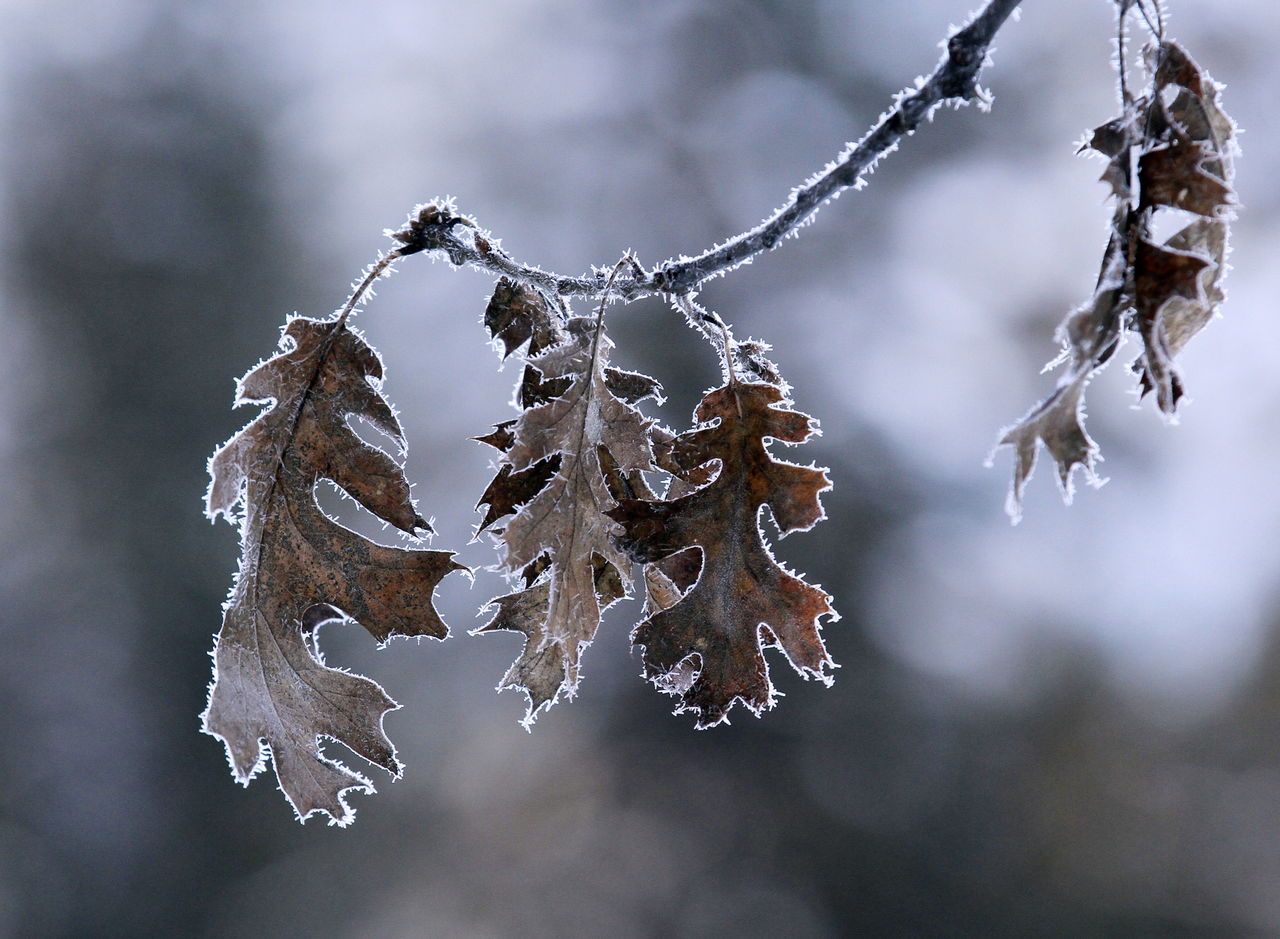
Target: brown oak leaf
x=1161, y=275
x=1174, y=176
x=566, y=521
x=517, y=313
x=272, y=693
x=707, y=647
x=666, y=580
x=1112, y=140
x=510, y=489
x=1089, y=335
x=1197, y=111
x=1182, y=316
x=1182, y=145
x=1058, y=423
x=1177, y=285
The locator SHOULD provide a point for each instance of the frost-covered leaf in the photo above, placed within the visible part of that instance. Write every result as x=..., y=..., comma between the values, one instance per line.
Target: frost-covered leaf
x=272, y=693
x=501, y=437
x=1190, y=166
x=565, y=521
x=1196, y=111
x=1161, y=276
x=1058, y=423
x=1188, y=152
x=632, y=387
x=707, y=647
x=1173, y=175
x=1112, y=141
x=517, y=314
x=1172, y=149
x=534, y=389
x=1184, y=316
x=510, y=489
x=1089, y=336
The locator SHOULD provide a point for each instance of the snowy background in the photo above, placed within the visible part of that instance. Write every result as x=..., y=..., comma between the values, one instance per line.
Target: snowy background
x=1071, y=727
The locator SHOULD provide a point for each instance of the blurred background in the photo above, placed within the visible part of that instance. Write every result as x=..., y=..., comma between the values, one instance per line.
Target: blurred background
x=1071, y=727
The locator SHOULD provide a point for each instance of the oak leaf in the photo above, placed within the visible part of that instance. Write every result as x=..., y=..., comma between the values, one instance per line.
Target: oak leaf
x=708, y=646
x=518, y=313
x=562, y=528
x=1182, y=146
x=1190, y=166
x=509, y=490
x=1163, y=276
x=1058, y=424
x=1185, y=313
x=272, y=693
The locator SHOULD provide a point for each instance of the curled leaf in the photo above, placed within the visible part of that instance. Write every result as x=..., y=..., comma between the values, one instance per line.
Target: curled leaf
x=1172, y=149
x=516, y=314
x=272, y=694
x=1162, y=275
x=1058, y=423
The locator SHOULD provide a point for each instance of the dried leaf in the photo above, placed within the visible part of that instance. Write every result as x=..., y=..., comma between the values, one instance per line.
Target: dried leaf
x=1058, y=423
x=1183, y=317
x=1180, y=314
x=1171, y=65
x=272, y=693
x=665, y=580
x=708, y=646
x=1161, y=276
x=535, y=390
x=1109, y=139
x=750, y=359
x=511, y=489
x=1195, y=126
x=501, y=437
x=566, y=520
x=517, y=313
x=1174, y=176
x=1177, y=285
x=1112, y=140
x=1182, y=145
x=632, y=387
x=539, y=670
x=1089, y=335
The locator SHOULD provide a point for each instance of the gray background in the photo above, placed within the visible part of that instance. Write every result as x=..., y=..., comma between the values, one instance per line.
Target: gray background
x=1071, y=727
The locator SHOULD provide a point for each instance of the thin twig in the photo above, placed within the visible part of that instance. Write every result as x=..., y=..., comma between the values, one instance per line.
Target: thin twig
x=699, y=317
x=954, y=79
x=1122, y=68
x=360, y=292
x=625, y=261
x=1156, y=28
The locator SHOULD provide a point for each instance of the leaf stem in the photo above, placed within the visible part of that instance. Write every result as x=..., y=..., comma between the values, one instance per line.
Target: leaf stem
x=375, y=270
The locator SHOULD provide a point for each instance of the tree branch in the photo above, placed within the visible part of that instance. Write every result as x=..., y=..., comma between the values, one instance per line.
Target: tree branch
x=955, y=78
x=435, y=226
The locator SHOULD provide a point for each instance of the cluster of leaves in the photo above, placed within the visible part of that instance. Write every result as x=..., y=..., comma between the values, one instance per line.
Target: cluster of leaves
x=1170, y=151
x=572, y=477
x=573, y=507
x=576, y=510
